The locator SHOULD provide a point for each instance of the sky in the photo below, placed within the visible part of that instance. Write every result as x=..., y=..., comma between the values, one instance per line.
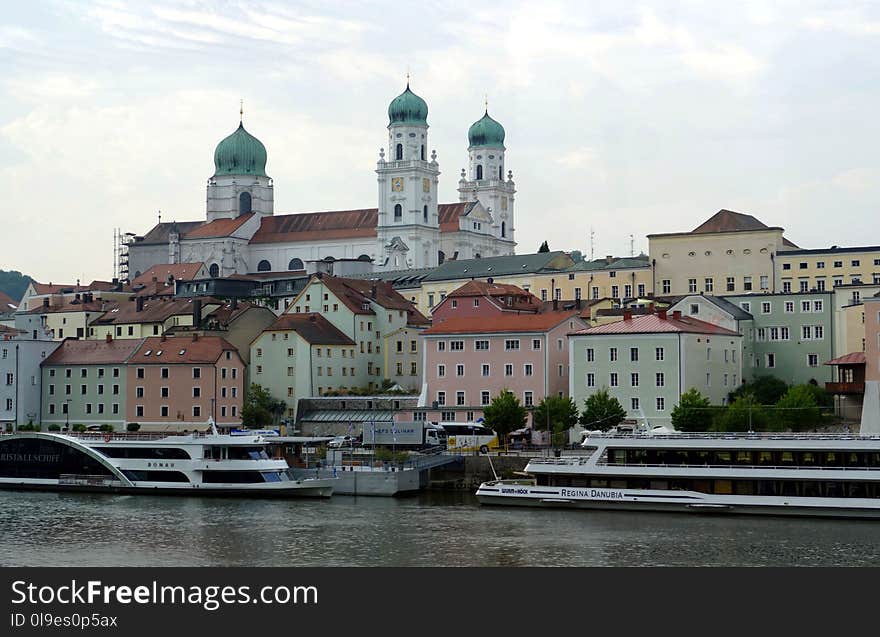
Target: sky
x=622, y=119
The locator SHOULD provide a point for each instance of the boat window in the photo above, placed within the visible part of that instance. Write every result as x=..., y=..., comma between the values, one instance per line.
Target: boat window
x=155, y=476
x=232, y=477
x=744, y=487
x=723, y=487
x=786, y=458
x=272, y=476
x=57, y=460
x=617, y=484
x=617, y=456
x=598, y=482
x=147, y=453
x=721, y=457
x=808, y=459
x=765, y=457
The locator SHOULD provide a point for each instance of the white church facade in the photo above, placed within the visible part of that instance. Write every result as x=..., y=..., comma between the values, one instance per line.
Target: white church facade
x=408, y=229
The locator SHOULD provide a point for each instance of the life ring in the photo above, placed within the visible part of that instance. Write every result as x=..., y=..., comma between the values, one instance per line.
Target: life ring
x=107, y=437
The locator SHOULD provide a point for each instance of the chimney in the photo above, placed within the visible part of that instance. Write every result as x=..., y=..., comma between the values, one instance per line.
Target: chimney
x=163, y=338
x=139, y=304
x=197, y=312
x=627, y=315
x=577, y=302
x=155, y=279
x=650, y=308
x=373, y=291
x=312, y=318
x=195, y=337
x=609, y=259
x=109, y=338
x=676, y=315
x=662, y=314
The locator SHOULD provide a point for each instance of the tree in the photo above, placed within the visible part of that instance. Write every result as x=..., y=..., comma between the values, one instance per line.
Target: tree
x=560, y=412
x=692, y=413
x=260, y=409
x=797, y=410
x=743, y=414
x=14, y=283
x=602, y=411
x=822, y=397
x=505, y=414
x=545, y=247
x=766, y=390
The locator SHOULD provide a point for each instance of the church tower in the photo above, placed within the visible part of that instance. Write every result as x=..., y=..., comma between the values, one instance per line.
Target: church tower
x=239, y=184
x=408, y=230
x=485, y=180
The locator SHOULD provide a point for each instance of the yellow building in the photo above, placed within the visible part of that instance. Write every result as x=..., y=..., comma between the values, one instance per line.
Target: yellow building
x=807, y=270
x=849, y=317
x=730, y=253
x=618, y=278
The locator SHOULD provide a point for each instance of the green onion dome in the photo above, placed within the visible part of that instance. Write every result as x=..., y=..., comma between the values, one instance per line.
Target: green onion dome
x=486, y=132
x=240, y=154
x=408, y=108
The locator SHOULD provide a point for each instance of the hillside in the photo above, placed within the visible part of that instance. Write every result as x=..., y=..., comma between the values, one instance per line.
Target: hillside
x=13, y=283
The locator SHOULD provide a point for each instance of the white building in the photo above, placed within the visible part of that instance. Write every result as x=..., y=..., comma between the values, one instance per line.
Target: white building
x=409, y=228
x=20, y=376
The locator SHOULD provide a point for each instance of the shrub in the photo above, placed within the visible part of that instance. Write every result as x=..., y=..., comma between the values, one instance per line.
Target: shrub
x=132, y=426
x=54, y=427
x=79, y=428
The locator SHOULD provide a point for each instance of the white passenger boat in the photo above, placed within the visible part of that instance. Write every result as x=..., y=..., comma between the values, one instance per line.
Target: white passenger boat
x=777, y=474
x=193, y=464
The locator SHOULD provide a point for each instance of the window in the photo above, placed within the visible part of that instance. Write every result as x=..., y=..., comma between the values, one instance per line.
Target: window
x=441, y=371
x=747, y=283
x=820, y=265
x=820, y=285
x=786, y=266
x=459, y=370
x=692, y=286
x=766, y=307
x=612, y=354
x=595, y=292
x=658, y=353
x=770, y=360
x=807, y=332
x=634, y=404
x=459, y=398
x=508, y=369
x=139, y=411
x=804, y=285
x=484, y=398
x=641, y=289
x=765, y=282
x=817, y=306
x=591, y=380
x=612, y=379
x=813, y=360
x=746, y=306
x=527, y=369
x=789, y=307
x=709, y=284
x=448, y=416
x=634, y=379
x=511, y=345
x=634, y=354
x=398, y=212
x=615, y=289
x=660, y=379
x=856, y=263
x=838, y=264
x=591, y=355
x=666, y=285
x=164, y=392
x=536, y=343
x=480, y=346
x=577, y=294
x=818, y=332
x=528, y=399
x=661, y=403
x=140, y=372
x=441, y=398
x=731, y=283
x=454, y=303
x=484, y=369
x=441, y=346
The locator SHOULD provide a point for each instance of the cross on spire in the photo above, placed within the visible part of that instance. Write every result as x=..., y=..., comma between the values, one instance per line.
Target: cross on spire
x=241, y=111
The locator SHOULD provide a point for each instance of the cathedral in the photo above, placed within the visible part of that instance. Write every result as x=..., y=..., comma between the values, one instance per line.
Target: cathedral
x=408, y=229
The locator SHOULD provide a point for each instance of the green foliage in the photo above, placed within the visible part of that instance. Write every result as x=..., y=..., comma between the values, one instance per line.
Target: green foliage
x=766, y=390
x=797, y=410
x=602, y=411
x=545, y=247
x=260, y=409
x=562, y=411
x=384, y=454
x=79, y=428
x=132, y=426
x=14, y=283
x=54, y=427
x=693, y=412
x=822, y=397
x=107, y=428
x=505, y=414
x=743, y=414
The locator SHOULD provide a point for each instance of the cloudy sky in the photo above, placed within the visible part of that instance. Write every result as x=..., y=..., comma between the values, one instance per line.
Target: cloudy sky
x=625, y=120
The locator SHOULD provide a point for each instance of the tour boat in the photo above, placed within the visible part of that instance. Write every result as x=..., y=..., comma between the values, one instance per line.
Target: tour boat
x=190, y=464
x=778, y=474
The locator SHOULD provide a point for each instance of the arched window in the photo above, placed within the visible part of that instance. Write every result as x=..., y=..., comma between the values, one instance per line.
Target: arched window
x=425, y=214
x=423, y=152
x=476, y=255
x=264, y=266
x=364, y=257
x=244, y=203
x=503, y=228
x=398, y=212
x=479, y=171
x=398, y=152
x=295, y=264
x=214, y=270
x=441, y=257
x=500, y=173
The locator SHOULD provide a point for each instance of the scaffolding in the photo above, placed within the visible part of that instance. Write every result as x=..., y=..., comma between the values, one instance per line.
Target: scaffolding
x=121, y=242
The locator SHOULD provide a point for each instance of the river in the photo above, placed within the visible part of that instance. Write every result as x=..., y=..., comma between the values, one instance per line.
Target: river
x=430, y=529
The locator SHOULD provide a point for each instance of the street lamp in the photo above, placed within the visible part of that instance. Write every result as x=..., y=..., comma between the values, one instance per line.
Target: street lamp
x=67, y=414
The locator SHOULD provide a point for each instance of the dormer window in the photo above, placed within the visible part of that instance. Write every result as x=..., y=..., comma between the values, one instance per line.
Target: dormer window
x=159, y=353
x=148, y=352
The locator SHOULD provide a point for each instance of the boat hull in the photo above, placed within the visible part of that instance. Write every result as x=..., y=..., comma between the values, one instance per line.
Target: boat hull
x=685, y=502
x=317, y=488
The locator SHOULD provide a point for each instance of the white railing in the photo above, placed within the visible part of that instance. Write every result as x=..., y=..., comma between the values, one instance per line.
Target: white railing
x=736, y=466
x=733, y=436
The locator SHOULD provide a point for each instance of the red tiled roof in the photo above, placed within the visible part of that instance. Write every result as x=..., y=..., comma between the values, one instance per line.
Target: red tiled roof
x=484, y=288
x=854, y=358
x=729, y=221
x=314, y=329
x=218, y=228
x=176, y=350
x=333, y=224
x=652, y=324
x=72, y=305
x=450, y=213
x=504, y=323
x=50, y=288
x=154, y=311
x=98, y=352
x=179, y=271
x=6, y=301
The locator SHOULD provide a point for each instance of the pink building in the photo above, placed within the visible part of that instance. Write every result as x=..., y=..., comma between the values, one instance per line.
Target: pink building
x=181, y=382
x=469, y=360
x=485, y=298
x=871, y=401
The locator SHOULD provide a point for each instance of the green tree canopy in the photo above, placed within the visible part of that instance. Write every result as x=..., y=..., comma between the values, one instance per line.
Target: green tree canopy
x=693, y=412
x=505, y=413
x=602, y=411
x=743, y=414
x=14, y=283
x=766, y=390
x=260, y=409
x=797, y=410
x=545, y=247
x=561, y=412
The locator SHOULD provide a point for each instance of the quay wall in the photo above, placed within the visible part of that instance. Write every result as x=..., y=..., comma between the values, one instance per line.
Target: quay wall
x=467, y=475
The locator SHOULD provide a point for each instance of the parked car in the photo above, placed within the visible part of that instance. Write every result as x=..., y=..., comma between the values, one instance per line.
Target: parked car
x=343, y=441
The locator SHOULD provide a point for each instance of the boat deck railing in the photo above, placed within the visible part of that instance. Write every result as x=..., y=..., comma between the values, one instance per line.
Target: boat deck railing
x=84, y=480
x=735, y=436
x=739, y=466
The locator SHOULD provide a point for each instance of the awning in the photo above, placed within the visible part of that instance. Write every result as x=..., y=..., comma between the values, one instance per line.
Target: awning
x=347, y=415
x=855, y=358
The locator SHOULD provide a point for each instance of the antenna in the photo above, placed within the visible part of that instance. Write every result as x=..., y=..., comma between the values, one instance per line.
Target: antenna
x=632, y=246
x=592, y=243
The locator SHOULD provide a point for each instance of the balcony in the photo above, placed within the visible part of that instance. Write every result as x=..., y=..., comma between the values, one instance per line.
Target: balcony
x=845, y=388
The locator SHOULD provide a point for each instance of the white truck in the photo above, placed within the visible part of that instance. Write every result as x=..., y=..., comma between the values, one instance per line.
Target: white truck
x=404, y=435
